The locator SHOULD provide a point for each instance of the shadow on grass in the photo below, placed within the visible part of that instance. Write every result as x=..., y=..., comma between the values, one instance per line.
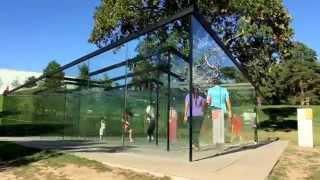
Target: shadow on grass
x=278, y=125
x=13, y=155
x=16, y=155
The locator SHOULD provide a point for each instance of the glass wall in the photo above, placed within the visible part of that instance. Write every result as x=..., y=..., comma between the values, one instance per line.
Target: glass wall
x=223, y=99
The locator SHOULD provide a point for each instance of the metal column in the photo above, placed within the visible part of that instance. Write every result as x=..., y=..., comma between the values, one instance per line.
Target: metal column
x=157, y=108
x=190, y=85
x=168, y=102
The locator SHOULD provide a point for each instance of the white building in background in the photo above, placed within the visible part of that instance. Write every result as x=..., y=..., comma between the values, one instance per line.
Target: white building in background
x=9, y=76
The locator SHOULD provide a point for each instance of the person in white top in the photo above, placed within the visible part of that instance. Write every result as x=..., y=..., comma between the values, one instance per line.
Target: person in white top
x=150, y=118
x=102, y=128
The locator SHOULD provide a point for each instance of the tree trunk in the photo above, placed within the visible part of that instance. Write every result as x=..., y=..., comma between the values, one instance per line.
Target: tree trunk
x=301, y=93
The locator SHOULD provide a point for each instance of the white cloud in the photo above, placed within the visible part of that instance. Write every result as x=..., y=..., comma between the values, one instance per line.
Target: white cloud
x=7, y=76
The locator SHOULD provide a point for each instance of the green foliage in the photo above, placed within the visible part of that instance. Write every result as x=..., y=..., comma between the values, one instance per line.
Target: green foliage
x=83, y=75
x=295, y=78
x=140, y=66
x=1, y=103
x=230, y=73
x=53, y=78
x=30, y=82
x=83, y=71
x=257, y=32
x=107, y=81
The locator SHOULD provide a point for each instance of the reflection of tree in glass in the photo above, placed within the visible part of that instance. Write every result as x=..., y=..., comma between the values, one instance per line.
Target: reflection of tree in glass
x=83, y=71
x=207, y=68
x=83, y=75
x=30, y=82
x=231, y=74
x=53, y=78
x=107, y=81
x=141, y=66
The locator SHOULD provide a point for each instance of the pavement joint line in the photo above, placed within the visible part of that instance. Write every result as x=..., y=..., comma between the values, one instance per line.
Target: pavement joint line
x=160, y=175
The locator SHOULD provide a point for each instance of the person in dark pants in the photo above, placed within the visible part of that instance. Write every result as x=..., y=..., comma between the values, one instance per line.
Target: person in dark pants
x=150, y=118
x=127, y=124
x=198, y=105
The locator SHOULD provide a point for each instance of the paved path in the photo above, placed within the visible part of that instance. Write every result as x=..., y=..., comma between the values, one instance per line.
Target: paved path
x=252, y=164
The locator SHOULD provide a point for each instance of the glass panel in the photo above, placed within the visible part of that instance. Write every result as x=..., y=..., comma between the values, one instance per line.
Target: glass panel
x=179, y=131
x=104, y=104
x=223, y=100
x=37, y=109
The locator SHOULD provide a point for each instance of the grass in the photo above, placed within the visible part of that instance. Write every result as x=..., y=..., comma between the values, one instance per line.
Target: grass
x=295, y=162
x=30, y=163
x=1, y=102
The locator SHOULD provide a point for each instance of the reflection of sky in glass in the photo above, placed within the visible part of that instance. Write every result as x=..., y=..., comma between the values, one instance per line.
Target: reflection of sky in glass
x=205, y=46
x=114, y=56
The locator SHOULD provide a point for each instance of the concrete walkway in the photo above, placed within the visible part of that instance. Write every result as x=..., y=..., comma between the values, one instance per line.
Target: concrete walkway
x=252, y=164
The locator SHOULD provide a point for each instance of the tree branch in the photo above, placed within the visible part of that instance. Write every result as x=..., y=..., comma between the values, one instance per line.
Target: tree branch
x=234, y=37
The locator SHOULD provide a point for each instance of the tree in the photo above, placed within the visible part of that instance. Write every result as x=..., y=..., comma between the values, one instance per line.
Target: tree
x=83, y=75
x=296, y=78
x=30, y=82
x=257, y=32
x=53, y=79
x=107, y=81
x=83, y=71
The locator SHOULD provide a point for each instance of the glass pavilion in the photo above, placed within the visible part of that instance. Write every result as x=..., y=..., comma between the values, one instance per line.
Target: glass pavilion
x=158, y=66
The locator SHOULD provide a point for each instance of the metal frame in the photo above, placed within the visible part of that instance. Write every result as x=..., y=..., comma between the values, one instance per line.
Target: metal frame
x=190, y=86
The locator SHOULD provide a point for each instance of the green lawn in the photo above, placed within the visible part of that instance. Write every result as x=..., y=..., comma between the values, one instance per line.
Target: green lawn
x=297, y=163
x=1, y=102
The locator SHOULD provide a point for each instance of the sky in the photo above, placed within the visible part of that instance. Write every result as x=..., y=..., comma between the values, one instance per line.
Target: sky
x=33, y=32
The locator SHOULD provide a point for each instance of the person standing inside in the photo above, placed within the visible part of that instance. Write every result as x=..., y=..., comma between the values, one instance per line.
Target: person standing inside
x=126, y=120
x=150, y=118
x=173, y=122
x=198, y=105
x=220, y=104
x=102, y=128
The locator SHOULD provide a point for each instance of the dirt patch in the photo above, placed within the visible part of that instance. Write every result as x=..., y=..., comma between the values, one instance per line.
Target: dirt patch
x=298, y=163
x=40, y=171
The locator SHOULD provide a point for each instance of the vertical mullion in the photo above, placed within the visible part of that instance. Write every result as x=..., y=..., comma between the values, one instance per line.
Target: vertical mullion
x=190, y=86
x=168, y=103
x=157, y=108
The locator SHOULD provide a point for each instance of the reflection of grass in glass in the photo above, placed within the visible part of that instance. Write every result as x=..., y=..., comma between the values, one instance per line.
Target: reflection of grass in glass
x=247, y=132
x=1, y=102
